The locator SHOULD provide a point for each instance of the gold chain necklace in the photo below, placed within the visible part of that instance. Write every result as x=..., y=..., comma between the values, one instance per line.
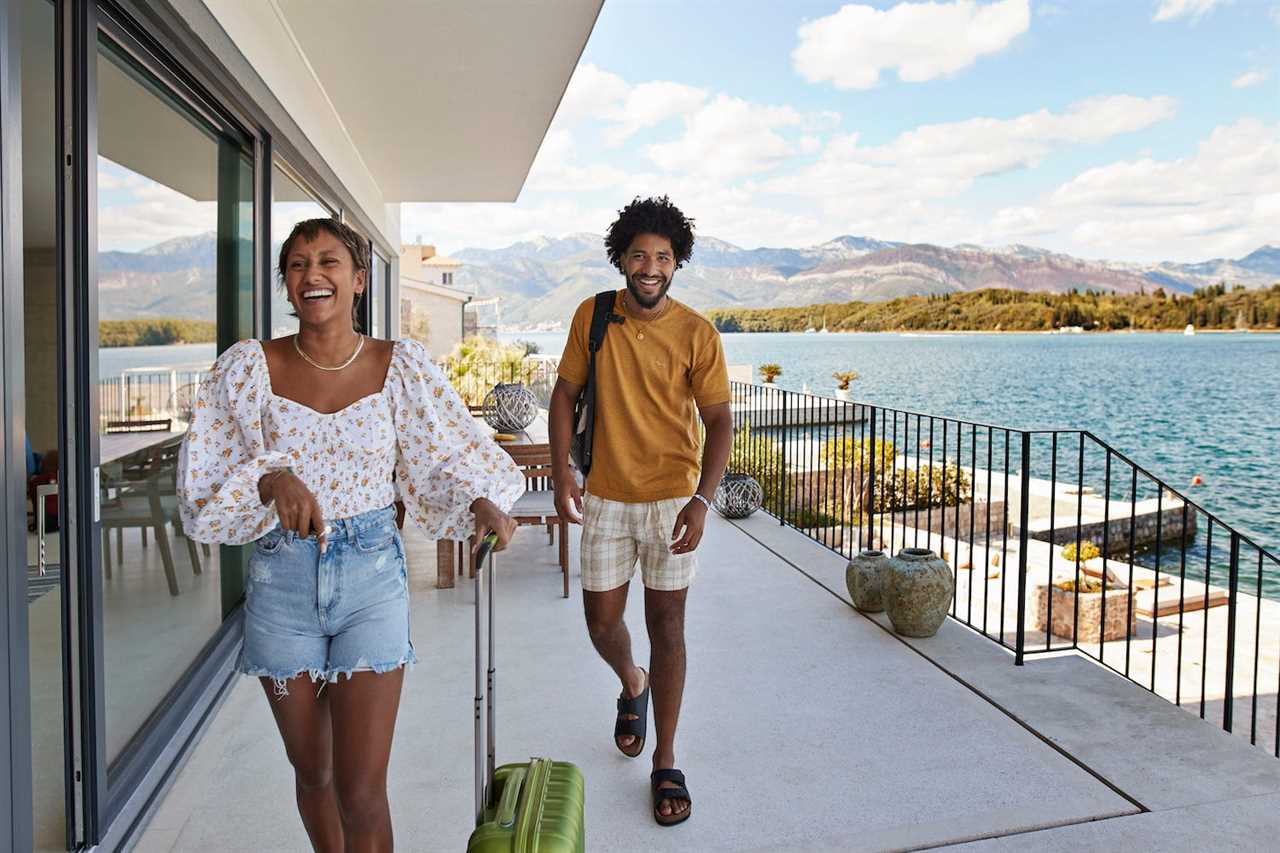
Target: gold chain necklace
x=309, y=360
x=644, y=324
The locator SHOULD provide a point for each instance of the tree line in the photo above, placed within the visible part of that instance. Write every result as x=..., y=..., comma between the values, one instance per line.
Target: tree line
x=155, y=332
x=1214, y=307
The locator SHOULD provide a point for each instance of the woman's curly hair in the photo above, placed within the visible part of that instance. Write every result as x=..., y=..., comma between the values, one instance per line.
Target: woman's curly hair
x=650, y=216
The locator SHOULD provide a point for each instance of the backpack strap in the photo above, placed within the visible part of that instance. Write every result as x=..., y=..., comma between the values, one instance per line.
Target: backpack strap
x=585, y=408
x=600, y=320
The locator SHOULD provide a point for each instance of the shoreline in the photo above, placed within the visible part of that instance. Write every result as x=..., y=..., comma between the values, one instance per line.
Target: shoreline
x=973, y=332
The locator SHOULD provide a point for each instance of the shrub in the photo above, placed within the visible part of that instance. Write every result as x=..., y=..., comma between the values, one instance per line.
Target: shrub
x=478, y=363
x=759, y=458
x=920, y=488
x=1088, y=551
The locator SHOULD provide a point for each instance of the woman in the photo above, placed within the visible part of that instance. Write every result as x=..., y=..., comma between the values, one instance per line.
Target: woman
x=303, y=444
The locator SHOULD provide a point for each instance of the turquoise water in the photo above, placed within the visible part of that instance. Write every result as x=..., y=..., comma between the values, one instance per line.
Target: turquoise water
x=1179, y=406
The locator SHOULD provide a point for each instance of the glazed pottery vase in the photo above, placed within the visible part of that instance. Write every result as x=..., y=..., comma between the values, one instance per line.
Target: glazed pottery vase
x=865, y=576
x=917, y=592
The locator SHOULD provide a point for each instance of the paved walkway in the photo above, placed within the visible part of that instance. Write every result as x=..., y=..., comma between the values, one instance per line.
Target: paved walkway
x=806, y=727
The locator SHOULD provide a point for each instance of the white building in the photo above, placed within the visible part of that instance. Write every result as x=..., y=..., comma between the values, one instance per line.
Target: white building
x=432, y=310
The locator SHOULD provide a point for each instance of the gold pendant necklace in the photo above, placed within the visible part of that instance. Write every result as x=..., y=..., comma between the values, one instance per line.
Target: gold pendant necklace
x=644, y=324
x=309, y=360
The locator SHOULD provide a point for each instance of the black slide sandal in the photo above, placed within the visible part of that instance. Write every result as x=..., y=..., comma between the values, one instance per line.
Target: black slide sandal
x=679, y=792
x=637, y=728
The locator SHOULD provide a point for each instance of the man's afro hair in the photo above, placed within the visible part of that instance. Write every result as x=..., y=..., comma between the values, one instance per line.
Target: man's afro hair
x=650, y=216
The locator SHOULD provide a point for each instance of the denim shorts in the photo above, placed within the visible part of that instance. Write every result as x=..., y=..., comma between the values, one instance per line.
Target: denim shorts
x=329, y=614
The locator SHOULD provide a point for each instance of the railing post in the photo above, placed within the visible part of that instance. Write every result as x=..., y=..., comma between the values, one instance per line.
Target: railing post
x=870, y=474
x=1233, y=586
x=1023, y=508
x=782, y=466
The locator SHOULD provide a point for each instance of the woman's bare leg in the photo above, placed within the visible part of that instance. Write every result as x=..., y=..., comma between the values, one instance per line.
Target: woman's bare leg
x=364, y=709
x=304, y=722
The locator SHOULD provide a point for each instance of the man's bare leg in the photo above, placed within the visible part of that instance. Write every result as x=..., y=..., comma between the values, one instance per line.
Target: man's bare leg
x=609, y=635
x=664, y=617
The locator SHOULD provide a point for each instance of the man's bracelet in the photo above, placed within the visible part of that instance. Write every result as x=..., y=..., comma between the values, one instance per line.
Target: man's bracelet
x=704, y=500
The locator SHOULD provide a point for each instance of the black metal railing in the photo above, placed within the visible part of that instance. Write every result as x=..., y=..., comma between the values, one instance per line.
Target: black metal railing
x=147, y=396
x=474, y=379
x=1057, y=541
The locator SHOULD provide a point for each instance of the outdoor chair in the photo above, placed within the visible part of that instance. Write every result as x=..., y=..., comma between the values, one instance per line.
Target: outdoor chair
x=537, y=505
x=147, y=499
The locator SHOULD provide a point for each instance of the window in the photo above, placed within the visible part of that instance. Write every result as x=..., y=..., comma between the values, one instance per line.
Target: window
x=379, y=291
x=175, y=280
x=448, y=279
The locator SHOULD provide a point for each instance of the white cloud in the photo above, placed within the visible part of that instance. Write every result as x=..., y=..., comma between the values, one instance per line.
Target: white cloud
x=921, y=41
x=1249, y=79
x=650, y=104
x=139, y=212
x=627, y=109
x=1171, y=10
x=455, y=226
x=1224, y=200
x=557, y=168
x=942, y=160
x=591, y=93
x=730, y=137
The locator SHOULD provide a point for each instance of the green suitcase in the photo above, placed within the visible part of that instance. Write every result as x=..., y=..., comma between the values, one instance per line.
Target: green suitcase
x=533, y=807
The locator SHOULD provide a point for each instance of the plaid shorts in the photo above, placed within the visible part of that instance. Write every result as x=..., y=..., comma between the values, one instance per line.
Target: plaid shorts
x=615, y=534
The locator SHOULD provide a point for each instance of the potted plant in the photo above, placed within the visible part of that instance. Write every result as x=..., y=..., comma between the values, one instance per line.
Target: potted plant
x=1078, y=610
x=1088, y=551
x=770, y=372
x=843, y=378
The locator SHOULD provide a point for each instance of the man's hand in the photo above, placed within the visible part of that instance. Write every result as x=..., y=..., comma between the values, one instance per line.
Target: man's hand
x=297, y=507
x=568, y=497
x=490, y=519
x=693, y=519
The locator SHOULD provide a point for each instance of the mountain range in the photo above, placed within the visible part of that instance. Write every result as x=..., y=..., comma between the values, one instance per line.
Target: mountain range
x=541, y=281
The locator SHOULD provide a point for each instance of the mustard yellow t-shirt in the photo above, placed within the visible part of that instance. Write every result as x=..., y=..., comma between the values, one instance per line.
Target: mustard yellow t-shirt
x=645, y=446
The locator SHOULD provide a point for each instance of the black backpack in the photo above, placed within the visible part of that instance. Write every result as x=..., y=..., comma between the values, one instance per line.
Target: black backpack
x=584, y=410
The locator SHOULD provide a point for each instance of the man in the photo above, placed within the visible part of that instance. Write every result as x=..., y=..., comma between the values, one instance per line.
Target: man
x=648, y=493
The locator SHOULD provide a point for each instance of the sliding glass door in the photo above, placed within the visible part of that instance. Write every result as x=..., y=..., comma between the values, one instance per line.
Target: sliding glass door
x=174, y=285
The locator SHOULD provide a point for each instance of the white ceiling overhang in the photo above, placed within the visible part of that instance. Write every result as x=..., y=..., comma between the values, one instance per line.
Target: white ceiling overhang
x=412, y=100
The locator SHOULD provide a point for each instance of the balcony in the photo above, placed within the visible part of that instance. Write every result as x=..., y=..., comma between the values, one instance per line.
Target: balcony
x=806, y=726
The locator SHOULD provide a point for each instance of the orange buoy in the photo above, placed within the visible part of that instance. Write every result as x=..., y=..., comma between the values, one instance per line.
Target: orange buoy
x=926, y=444
x=1197, y=480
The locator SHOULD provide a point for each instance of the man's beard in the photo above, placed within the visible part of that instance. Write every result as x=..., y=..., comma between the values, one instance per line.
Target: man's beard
x=643, y=301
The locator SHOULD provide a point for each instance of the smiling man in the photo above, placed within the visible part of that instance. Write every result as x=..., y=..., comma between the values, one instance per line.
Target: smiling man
x=651, y=480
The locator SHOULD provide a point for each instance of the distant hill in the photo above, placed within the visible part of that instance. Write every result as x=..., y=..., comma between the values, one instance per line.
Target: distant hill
x=544, y=279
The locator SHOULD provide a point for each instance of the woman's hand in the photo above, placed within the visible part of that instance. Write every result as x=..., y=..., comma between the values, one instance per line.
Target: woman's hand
x=490, y=519
x=296, y=506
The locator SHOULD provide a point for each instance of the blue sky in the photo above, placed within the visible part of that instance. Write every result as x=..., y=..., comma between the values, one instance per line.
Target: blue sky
x=1131, y=129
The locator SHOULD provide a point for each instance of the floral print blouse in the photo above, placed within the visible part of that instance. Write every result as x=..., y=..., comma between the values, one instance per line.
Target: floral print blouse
x=416, y=426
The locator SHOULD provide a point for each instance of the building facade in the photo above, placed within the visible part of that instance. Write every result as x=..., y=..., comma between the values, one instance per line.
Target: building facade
x=153, y=156
x=432, y=310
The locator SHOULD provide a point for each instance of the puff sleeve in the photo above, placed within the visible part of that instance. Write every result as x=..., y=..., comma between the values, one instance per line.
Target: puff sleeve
x=445, y=460
x=224, y=455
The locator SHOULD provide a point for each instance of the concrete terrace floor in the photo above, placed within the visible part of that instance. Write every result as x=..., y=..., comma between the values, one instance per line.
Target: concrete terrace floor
x=806, y=726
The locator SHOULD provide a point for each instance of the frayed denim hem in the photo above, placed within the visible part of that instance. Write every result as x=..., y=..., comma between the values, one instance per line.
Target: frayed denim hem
x=407, y=661
x=279, y=680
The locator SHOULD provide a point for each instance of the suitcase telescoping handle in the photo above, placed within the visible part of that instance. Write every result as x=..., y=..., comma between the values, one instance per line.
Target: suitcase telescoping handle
x=484, y=693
